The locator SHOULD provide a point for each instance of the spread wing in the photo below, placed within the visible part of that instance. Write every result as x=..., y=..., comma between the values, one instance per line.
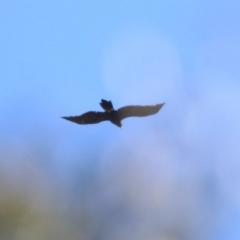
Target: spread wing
x=138, y=111
x=89, y=117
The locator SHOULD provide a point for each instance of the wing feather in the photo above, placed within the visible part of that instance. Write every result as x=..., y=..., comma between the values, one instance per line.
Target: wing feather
x=138, y=111
x=89, y=117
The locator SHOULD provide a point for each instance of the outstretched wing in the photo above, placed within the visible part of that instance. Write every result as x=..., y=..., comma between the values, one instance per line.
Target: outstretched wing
x=138, y=111
x=89, y=118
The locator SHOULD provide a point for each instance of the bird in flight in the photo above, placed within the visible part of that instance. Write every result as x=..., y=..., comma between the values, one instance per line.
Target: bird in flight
x=114, y=116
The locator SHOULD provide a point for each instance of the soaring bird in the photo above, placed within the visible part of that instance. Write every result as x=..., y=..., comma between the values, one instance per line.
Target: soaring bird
x=114, y=116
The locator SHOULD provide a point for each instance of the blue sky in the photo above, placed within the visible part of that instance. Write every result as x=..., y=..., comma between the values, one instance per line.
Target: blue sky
x=59, y=58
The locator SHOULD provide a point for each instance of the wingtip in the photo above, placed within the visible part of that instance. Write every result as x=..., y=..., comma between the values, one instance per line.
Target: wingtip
x=161, y=105
x=66, y=118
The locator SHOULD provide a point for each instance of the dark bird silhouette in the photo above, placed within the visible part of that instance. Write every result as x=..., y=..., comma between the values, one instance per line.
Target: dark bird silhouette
x=114, y=116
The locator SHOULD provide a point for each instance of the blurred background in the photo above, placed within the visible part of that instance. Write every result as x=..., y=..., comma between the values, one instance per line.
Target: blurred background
x=172, y=176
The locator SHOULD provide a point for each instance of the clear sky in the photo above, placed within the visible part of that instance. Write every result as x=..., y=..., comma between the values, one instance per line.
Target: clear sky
x=179, y=169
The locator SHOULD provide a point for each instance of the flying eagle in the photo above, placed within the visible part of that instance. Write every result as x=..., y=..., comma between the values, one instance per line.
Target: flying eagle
x=114, y=116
